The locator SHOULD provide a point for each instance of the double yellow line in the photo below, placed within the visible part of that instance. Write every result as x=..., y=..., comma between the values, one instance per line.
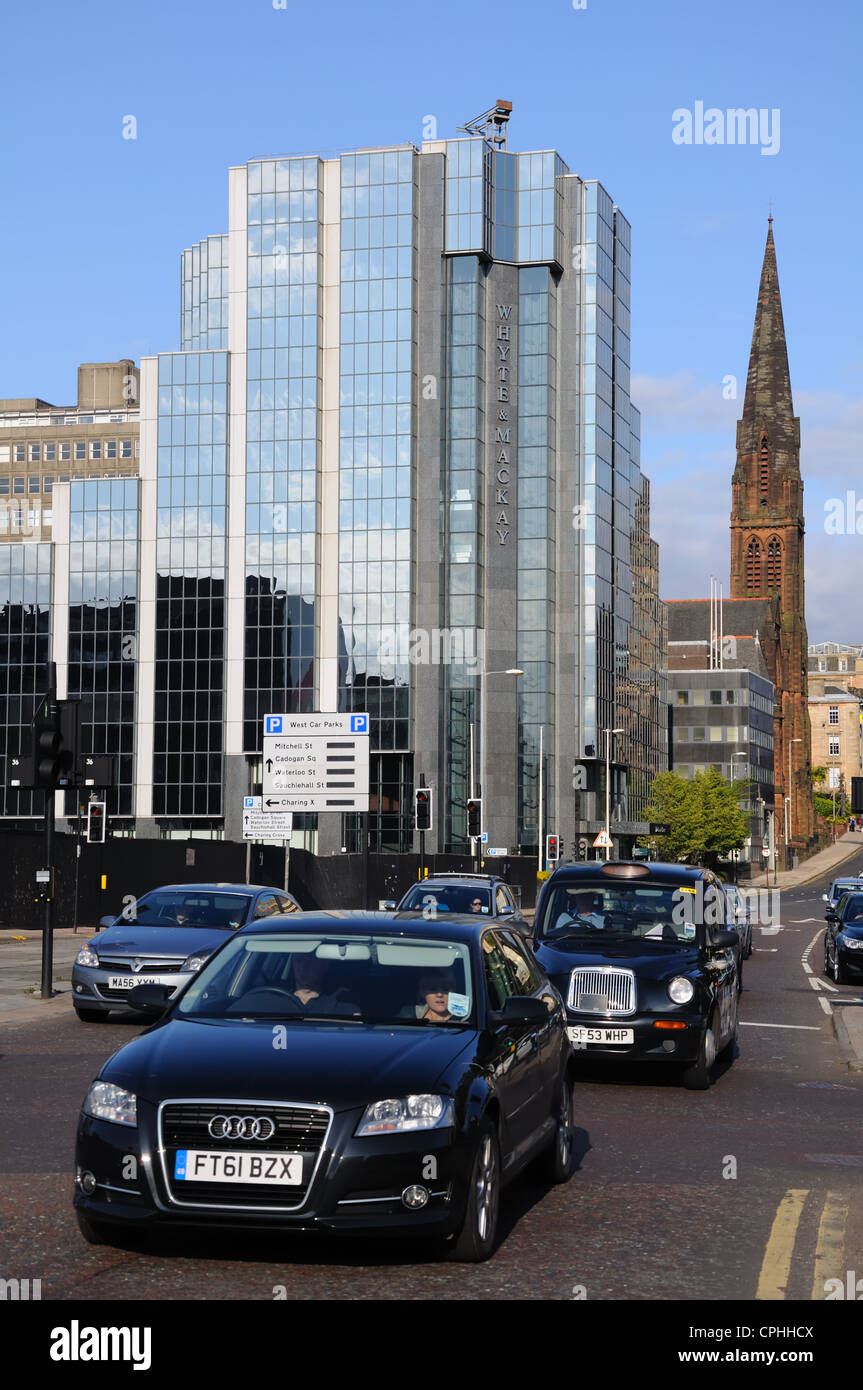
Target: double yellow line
x=829, y=1245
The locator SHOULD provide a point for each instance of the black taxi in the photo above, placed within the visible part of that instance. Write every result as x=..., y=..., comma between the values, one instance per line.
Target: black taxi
x=643, y=956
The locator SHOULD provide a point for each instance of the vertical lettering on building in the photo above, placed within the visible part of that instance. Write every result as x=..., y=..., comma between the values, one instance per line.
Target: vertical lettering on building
x=503, y=440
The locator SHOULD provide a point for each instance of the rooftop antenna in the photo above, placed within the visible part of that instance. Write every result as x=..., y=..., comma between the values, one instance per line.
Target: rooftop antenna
x=491, y=125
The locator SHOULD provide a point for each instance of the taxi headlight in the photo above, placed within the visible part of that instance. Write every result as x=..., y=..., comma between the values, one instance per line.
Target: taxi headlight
x=86, y=956
x=107, y=1102
x=680, y=990
x=406, y=1115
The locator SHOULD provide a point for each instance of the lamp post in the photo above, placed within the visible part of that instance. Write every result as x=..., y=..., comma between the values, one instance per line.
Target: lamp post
x=608, y=733
x=789, y=818
x=733, y=765
x=510, y=671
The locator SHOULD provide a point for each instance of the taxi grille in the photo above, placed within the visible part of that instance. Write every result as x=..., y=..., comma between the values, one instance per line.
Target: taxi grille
x=300, y=1129
x=602, y=990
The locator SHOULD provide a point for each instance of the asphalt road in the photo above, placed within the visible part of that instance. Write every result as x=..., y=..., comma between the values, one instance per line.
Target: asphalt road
x=751, y=1190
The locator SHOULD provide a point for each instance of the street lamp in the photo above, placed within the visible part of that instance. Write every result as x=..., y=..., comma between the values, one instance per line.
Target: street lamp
x=510, y=671
x=608, y=733
x=789, y=819
x=733, y=756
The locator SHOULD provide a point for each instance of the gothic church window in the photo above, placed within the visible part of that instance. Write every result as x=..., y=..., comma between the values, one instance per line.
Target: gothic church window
x=753, y=565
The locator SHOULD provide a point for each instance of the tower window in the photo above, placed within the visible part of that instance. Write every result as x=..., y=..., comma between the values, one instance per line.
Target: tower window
x=763, y=467
x=774, y=564
x=753, y=565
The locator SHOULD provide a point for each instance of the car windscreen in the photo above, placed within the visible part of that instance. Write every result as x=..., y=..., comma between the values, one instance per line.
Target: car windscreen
x=176, y=908
x=852, y=911
x=592, y=910
x=840, y=888
x=448, y=897
x=322, y=975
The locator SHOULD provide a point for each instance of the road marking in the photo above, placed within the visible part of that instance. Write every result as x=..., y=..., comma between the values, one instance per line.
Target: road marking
x=807, y=968
x=776, y=1265
x=816, y=984
x=768, y=950
x=825, y=1004
x=830, y=1246
x=798, y=1027
x=825, y=984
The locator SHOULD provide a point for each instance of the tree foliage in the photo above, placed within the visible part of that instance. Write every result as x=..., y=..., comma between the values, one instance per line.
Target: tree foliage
x=704, y=817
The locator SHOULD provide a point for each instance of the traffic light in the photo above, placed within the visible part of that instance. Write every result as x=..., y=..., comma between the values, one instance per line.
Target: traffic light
x=96, y=823
x=552, y=847
x=423, y=807
x=474, y=817
x=582, y=848
x=55, y=730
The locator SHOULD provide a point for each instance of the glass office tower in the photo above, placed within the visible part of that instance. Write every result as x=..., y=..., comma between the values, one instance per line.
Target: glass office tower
x=395, y=460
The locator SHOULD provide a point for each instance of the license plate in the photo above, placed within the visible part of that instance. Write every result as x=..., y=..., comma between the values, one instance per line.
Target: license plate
x=130, y=981
x=211, y=1165
x=601, y=1035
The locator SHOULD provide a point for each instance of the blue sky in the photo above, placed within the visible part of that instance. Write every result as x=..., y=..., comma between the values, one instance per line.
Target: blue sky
x=94, y=224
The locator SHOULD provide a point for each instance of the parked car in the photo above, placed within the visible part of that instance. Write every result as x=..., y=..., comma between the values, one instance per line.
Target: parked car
x=334, y=1072
x=843, y=939
x=164, y=937
x=485, y=895
x=838, y=888
x=644, y=958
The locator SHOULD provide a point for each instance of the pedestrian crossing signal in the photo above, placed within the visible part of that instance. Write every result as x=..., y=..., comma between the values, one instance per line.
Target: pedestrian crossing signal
x=96, y=823
x=423, y=807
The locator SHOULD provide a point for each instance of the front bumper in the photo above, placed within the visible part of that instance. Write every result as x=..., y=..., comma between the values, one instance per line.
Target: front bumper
x=91, y=987
x=650, y=1043
x=357, y=1184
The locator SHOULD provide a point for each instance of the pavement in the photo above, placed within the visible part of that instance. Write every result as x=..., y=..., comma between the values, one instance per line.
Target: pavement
x=817, y=864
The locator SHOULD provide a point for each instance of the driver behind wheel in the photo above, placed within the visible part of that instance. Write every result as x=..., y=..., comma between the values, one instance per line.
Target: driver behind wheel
x=582, y=908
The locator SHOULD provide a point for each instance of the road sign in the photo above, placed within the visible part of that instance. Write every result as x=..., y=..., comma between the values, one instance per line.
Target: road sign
x=602, y=841
x=317, y=762
x=495, y=853
x=483, y=839
x=659, y=828
x=262, y=822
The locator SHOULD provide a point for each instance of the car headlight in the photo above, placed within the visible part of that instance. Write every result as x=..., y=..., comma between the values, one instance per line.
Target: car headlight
x=86, y=957
x=402, y=1116
x=680, y=990
x=195, y=963
x=851, y=943
x=107, y=1102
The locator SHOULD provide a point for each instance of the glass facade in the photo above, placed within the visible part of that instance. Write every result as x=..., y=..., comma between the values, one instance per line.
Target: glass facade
x=190, y=585
x=282, y=438
x=463, y=527
x=204, y=295
x=103, y=626
x=25, y=650
x=537, y=475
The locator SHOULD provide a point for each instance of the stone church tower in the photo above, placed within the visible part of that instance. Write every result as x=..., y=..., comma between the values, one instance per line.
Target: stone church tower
x=767, y=528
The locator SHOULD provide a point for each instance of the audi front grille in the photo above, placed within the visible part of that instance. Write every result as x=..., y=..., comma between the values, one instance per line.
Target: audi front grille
x=602, y=989
x=299, y=1129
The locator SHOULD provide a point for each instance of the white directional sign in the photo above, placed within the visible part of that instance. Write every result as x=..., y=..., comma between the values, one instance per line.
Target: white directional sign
x=498, y=853
x=265, y=822
x=317, y=762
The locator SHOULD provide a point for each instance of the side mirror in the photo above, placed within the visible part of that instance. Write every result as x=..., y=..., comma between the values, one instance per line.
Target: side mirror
x=831, y=915
x=825, y=898
x=519, y=1009
x=722, y=940
x=506, y=912
x=388, y=905
x=150, y=1000
x=106, y=922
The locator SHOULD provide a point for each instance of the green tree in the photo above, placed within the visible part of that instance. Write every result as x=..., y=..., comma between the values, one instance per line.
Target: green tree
x=703, y=814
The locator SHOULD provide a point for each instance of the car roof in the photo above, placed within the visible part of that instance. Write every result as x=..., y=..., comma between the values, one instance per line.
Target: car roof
x=485, y=879
x=456, y=927
x=248, y=888
x=656, y=872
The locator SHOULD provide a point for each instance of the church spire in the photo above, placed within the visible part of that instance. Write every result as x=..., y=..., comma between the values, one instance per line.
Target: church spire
x=768, y=404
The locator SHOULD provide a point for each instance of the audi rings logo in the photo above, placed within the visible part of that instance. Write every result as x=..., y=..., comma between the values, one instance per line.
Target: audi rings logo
x=241, y=1127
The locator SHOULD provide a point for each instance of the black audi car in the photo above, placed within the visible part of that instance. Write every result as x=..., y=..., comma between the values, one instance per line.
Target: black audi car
x=334, y=1072
x=843, y=938
x=644, y=958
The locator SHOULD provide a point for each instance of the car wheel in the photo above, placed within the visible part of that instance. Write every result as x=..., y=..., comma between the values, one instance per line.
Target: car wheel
x=476, y=1239
x=93, y=1231
x=697, y=1076
x=556, y=1162
x=92, y=1015
x=839, y=974
x=749, y=944
x=740, y=975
